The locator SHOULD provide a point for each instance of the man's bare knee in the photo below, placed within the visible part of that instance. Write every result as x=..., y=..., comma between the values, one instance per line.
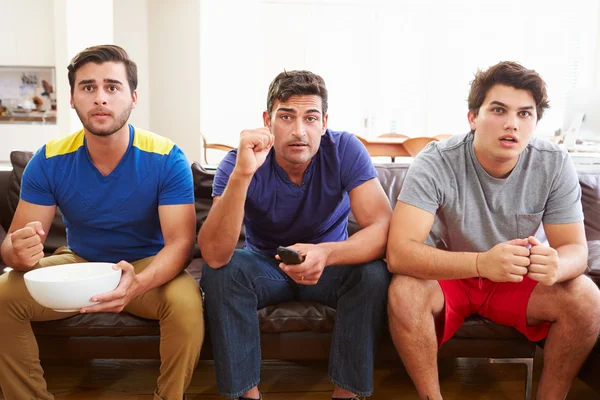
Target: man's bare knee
x=408, y=296
x=582, y=303
x=576, y=300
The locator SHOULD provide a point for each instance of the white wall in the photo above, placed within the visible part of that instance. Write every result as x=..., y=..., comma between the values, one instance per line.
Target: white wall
x=27, y=36
x=174, y=59
x=73, y=32
x=597, y=79
x=204, y=65
x=233, y=92
x=28, y=137
x=49, y=33
x=26, y=32
x=131, y=33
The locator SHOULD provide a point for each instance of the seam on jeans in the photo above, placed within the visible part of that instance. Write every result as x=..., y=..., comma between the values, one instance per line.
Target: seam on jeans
x=335, y=352
x=241, y=392
x=350, y=389
x=336, y=358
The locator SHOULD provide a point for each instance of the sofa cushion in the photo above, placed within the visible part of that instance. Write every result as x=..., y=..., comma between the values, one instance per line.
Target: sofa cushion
x=590, y=199
x=57, y=235
x=5, y=212
x=19, y=160
x=593, y=269
x=391, y=176
x=203, y=180
x=98, y=324
x=2, y=236
x=296, y=316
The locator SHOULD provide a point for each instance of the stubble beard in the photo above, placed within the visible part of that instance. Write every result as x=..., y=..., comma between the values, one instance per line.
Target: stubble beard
x=119, y=122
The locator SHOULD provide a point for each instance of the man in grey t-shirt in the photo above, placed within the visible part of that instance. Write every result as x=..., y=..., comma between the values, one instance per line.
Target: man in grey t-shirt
x=469, y=231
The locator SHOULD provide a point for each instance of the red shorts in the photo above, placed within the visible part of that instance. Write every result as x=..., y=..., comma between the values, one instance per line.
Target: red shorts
x=502, y=302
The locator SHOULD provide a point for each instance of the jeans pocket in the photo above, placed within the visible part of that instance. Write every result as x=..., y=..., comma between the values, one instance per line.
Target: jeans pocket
x=529, y=224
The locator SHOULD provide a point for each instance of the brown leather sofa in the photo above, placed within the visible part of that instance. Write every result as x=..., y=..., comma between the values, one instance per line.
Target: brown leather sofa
x=291, y=331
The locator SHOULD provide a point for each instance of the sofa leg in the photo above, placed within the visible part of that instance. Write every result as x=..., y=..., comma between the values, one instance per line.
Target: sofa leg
x=528, y=363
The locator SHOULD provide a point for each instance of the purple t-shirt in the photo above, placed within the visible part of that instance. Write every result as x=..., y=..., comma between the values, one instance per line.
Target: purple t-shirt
x=281, y=213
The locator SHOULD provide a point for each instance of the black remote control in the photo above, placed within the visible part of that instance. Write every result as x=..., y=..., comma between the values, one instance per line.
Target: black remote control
x=289, y=256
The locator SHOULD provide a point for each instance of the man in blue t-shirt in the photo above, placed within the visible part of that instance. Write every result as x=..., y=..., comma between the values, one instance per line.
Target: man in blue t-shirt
x=292, y=184
x=127, y=197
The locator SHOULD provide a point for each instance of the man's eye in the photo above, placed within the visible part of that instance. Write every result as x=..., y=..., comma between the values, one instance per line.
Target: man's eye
x=525, y=114
x=88, y=88
x=497, y=110
x=311, y=119
x=113, y=88
x=286, y=117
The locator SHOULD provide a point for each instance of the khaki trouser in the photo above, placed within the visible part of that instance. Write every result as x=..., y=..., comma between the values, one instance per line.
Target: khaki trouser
x=176, y=304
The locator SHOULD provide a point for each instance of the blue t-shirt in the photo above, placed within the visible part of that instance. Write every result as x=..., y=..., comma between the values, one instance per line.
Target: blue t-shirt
x=115, y=217
x=280, y=213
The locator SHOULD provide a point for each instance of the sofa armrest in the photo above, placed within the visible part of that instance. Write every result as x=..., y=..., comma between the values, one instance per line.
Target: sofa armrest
x=2, y=236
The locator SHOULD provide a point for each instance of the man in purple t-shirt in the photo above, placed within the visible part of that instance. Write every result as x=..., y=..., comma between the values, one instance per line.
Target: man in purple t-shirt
x=292, y=183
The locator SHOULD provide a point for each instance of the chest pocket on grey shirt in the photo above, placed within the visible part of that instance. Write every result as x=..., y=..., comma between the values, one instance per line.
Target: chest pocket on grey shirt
x=528, y=224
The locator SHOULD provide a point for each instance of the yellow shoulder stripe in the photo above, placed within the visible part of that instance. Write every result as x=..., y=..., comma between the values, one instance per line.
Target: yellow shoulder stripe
x=151, y=142
x=64, y=145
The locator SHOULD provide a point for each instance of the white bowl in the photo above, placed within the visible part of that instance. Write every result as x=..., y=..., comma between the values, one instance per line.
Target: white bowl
x=69, y=287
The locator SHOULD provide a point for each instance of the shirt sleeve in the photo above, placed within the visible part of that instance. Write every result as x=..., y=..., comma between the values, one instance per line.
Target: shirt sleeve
x=356, y=164
x=35, y=186
x=420, y=187
x=564, y=203
x=224, y=171
x=177, y=184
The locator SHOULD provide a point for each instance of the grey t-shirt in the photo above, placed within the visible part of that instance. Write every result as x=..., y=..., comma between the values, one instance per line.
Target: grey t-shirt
x=475, y=211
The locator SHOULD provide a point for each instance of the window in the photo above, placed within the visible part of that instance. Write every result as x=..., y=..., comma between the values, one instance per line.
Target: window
x=406, y=66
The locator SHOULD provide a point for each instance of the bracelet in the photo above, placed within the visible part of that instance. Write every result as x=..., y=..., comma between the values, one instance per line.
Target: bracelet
x=477, y=269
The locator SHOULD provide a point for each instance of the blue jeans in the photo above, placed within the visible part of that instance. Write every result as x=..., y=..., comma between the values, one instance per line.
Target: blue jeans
x=250, y=281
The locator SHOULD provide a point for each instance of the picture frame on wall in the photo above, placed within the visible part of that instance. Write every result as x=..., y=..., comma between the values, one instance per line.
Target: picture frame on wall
x=27, y=94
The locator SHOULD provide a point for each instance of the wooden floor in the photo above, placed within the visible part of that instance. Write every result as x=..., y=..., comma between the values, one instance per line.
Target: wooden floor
x=129, y=380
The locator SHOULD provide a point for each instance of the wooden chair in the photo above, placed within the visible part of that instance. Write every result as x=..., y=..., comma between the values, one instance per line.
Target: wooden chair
x=214, y=146
x=393, y=136
x=443, y=136
x=362, y=140
x=414, y=145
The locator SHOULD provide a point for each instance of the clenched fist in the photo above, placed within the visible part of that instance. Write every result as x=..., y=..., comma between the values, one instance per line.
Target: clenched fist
x=505, y=262
x=27, y=245
x=254, y=147
x=544, y=263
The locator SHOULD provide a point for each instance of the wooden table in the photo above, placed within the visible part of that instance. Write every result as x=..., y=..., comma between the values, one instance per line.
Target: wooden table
x=387, y=147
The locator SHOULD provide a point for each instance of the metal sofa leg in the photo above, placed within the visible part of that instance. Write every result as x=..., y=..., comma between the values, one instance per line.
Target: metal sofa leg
x=528, y=363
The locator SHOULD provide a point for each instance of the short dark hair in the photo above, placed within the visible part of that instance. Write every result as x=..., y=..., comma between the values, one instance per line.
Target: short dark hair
x=296, y=83
x=508, y=73
x=99, y=55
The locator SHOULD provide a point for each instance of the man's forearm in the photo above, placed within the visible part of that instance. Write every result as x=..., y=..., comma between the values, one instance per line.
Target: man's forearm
x=572, y=261
x=221, y=230
x=366, y=245
x=8, y=255
x=168, y=263
x=419, y=260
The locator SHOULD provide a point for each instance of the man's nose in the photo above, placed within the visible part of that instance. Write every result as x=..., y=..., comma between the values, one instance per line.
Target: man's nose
x=100, y=99
x=299, y=129
x=511, y=123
